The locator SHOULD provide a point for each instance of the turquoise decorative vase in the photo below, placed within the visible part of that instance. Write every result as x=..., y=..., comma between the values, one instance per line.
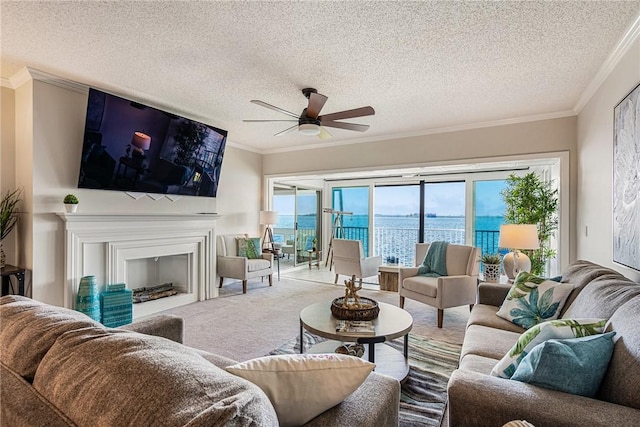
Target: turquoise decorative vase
x=88, y=298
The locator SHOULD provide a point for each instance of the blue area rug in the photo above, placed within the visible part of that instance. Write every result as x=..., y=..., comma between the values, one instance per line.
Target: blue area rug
x=424, y=393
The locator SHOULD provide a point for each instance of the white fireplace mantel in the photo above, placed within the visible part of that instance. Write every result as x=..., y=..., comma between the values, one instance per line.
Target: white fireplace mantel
x=101, y=244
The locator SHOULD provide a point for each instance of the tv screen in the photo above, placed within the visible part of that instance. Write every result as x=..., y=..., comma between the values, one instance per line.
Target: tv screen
x=129, y=146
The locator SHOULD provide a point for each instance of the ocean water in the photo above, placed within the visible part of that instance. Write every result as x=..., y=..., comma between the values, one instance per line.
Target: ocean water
x=484, y=223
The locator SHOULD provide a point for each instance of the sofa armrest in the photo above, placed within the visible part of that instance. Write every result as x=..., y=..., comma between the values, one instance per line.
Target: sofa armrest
x=492, y=293
x=232, y=266
x=405, y=272
x=375, y=403
x=163, y=325
x=457, y=290
x=477, y=399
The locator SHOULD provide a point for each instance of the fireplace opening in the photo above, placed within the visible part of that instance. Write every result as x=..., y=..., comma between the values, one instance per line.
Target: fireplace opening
x=158, y=277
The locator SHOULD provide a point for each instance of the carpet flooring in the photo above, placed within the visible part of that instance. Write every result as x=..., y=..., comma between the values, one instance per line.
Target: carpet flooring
x=424, y=393
x=245, y=326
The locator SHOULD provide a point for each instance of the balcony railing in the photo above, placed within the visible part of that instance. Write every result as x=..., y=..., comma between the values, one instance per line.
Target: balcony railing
x=401, y=242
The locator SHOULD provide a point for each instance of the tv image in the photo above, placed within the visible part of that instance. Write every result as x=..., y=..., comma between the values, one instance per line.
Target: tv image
x=130, y=146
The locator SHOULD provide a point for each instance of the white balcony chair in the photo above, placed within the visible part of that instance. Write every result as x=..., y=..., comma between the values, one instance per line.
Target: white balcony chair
x=349, y=260
x=459, y=287
x=236, y=267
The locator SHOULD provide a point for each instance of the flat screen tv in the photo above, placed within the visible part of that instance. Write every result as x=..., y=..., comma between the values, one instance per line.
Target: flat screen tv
x=129, y=146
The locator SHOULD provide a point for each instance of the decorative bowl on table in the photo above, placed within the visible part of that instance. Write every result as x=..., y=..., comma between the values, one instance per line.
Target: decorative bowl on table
x=368, y=309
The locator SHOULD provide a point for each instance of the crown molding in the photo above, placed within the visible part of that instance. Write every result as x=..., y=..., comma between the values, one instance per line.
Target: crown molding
x=623, y=46
x=448, y=129
x=27, y=73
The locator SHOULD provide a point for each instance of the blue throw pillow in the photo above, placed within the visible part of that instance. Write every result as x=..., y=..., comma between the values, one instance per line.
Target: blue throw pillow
x=575, y=365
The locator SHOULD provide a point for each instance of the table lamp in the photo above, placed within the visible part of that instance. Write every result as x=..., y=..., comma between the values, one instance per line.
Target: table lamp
x=268, y=218
x=140, y=142
x=516, y=237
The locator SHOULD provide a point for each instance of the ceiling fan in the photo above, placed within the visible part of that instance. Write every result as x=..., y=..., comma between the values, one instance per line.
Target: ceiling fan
x=310, y=122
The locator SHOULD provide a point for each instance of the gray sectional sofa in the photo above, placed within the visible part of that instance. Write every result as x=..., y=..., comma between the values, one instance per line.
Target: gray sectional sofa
x=60, y=368
x=478, y=399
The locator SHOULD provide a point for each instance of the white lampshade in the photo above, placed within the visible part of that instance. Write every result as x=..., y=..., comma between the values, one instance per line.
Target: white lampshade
x=141, y=140
x=518, y=236
x=268, y=217
x=310, y=129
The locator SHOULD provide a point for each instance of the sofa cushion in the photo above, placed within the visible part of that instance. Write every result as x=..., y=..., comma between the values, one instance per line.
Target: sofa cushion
x=579, y=273
x=532, y=300
x=302, y=386
x=23, y=406
x=620, y=383
x=258, y=264
x=574, y=365
x=475, y=363
x=424, y=285
x=487, y=342
x=553, y=329
x=485, y=315
x=602, y=297
x=116, y=378
x=28, y=329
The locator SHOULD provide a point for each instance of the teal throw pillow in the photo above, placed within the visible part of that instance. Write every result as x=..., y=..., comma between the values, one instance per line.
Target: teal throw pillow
x=575, y=365
x=553, y=329
x=249, y=247
x=532, y=300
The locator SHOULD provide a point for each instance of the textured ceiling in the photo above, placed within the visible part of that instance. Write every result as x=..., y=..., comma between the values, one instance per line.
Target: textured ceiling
x=421, y=65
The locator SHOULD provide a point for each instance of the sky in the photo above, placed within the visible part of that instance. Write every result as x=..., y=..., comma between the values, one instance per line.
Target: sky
x=442, y=199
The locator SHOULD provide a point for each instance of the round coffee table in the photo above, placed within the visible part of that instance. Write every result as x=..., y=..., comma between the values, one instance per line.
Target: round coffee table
x=392, y=322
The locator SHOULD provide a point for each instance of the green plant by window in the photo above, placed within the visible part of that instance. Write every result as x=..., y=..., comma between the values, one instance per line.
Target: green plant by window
x=531, y=200
x=490, y=259
x=70, y=199
x=9, y=212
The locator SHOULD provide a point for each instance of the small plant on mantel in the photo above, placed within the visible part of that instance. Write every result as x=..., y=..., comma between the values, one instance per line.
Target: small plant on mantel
x=70, y=199
x=70, y=203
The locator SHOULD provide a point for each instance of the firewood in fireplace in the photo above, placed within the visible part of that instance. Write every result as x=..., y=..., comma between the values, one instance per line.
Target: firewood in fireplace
x=149, y=293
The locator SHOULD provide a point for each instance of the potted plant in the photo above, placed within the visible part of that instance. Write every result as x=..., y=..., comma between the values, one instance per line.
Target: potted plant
x=491, y=267
x=8, y=218
x=531, y=200
x=70, y=203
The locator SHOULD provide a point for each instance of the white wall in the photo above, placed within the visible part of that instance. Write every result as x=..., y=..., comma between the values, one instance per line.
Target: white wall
x=48, y=150
x=595, y=163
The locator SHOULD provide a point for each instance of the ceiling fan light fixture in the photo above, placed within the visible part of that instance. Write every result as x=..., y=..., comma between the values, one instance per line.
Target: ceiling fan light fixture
x=310, y=129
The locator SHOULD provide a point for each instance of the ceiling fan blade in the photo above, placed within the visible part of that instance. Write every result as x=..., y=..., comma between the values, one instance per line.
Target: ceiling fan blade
x=342, y=125
x=324, y=133
x=349, y=114
x=261, y=121
x=286, y=131
x=274, y=108
x=316, y=102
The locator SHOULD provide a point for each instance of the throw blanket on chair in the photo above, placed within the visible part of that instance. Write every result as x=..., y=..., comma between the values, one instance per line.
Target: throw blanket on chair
x=435, y=261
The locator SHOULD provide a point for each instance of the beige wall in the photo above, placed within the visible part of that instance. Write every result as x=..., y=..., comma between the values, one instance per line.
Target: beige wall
x=48, y=144
x=595, y=159
x=8, y=162
x=490, y=143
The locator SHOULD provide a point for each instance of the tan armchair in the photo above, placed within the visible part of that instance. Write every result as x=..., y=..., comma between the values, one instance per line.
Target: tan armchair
x=349, y=260
x=459, y=287
x=232, y=266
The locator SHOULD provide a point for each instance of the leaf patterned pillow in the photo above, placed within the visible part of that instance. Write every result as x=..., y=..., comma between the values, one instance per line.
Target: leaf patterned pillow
x=532, y=300
x=553, y=329
x=249, y=247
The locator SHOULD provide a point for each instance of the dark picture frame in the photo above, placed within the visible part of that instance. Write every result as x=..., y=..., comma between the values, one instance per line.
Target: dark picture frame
x=626, y=180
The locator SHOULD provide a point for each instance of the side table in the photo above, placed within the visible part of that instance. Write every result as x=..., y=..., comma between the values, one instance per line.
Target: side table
x=11, y=270
x=277, y=253
x=389, y=277
x=318, y=254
